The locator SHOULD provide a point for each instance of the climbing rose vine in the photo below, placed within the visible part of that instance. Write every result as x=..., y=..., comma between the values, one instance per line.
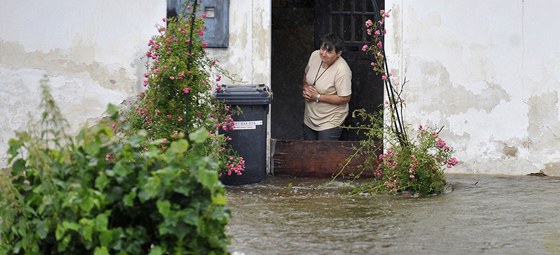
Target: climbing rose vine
x=179, y=95
x=411, y=165
x=377, y=31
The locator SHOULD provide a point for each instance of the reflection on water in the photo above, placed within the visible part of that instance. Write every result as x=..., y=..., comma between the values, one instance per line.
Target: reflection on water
x=480, y=215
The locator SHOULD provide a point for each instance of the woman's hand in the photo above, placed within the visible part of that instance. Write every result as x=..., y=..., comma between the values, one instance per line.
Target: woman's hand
x=310, y=93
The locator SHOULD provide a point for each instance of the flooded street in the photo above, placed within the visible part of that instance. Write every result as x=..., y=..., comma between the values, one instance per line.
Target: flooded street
x=479, y=214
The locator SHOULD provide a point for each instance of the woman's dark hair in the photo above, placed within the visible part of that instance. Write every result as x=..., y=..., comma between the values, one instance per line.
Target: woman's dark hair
x=332, y=41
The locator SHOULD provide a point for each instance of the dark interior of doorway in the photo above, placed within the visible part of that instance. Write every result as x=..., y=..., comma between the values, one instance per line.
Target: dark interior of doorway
x=297, y=26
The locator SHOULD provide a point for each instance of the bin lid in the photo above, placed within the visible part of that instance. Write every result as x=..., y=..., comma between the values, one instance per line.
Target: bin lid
x=255, y=94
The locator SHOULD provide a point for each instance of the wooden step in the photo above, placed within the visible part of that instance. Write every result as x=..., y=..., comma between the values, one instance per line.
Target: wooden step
x=318, y=159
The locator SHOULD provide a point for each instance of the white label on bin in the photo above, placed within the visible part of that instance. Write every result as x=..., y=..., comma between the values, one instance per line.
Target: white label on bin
x=244, y=125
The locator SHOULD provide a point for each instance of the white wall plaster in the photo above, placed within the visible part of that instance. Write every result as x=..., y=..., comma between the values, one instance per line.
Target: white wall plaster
x=249, y=51
x=488, y=72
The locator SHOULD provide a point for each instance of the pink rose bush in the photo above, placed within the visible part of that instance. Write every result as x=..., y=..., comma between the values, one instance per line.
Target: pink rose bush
x=399, y=163
x=180, y=85
x=417, y=167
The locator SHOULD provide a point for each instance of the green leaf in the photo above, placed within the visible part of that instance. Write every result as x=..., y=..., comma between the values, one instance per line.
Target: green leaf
x=157, y=250
x=165, y=228
x=101, y=251
x=179, y=147
x=60, y=231
x=217, y=213
x=121, y=169
x=105, y=237
x=93, y=147
x=86, y=228
x=112, y=109
x=153, y=152
x=101, y=221
x=150, y=189
x=110, y=173
x=191, y=217
x=87, y=204
x=128, y=199
x=207, y=178
x=87, y=232
x=65, y=241
x=184, y=189
x=101, y=181
x=199, y=136
x=14, y=145
x=164, y=208
x=219, y=199
x=42, y=229
x=71, y=225
x=18, y=167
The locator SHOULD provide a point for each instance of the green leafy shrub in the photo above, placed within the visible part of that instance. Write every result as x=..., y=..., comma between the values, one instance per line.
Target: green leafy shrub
x=418, y=166
x=93, y=194
x=415, y=167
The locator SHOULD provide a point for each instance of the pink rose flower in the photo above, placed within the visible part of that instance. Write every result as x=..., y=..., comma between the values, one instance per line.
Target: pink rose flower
x=452, y=162
x=440, y=143
x=365, y=47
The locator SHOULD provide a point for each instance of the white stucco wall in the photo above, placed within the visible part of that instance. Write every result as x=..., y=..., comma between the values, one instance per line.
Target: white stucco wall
x=249, y=51
x=489, y=71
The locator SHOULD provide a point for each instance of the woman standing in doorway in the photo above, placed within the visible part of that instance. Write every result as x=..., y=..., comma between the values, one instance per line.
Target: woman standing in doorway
x=326, y=89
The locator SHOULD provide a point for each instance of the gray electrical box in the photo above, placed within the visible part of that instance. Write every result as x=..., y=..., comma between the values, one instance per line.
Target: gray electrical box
x=216, y=22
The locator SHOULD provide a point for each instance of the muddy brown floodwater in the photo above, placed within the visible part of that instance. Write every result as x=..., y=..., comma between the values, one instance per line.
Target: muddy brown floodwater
x=478, y=214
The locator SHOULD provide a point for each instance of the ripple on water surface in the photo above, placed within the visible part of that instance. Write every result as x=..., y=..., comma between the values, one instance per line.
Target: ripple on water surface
x=482, y=214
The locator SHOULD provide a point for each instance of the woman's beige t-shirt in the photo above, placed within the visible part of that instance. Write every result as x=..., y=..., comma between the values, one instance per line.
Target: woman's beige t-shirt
x=335, y=80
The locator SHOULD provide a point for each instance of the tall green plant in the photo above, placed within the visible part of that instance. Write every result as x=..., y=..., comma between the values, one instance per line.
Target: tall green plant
x=95, y=194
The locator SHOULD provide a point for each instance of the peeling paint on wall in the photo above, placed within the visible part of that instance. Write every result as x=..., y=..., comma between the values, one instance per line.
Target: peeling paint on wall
x=248, y=57
x=490, y=79
x=544, y=131
x=457, y=98
x=55, y=62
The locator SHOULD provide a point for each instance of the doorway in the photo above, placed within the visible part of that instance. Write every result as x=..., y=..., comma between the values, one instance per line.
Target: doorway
x=297, y=26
